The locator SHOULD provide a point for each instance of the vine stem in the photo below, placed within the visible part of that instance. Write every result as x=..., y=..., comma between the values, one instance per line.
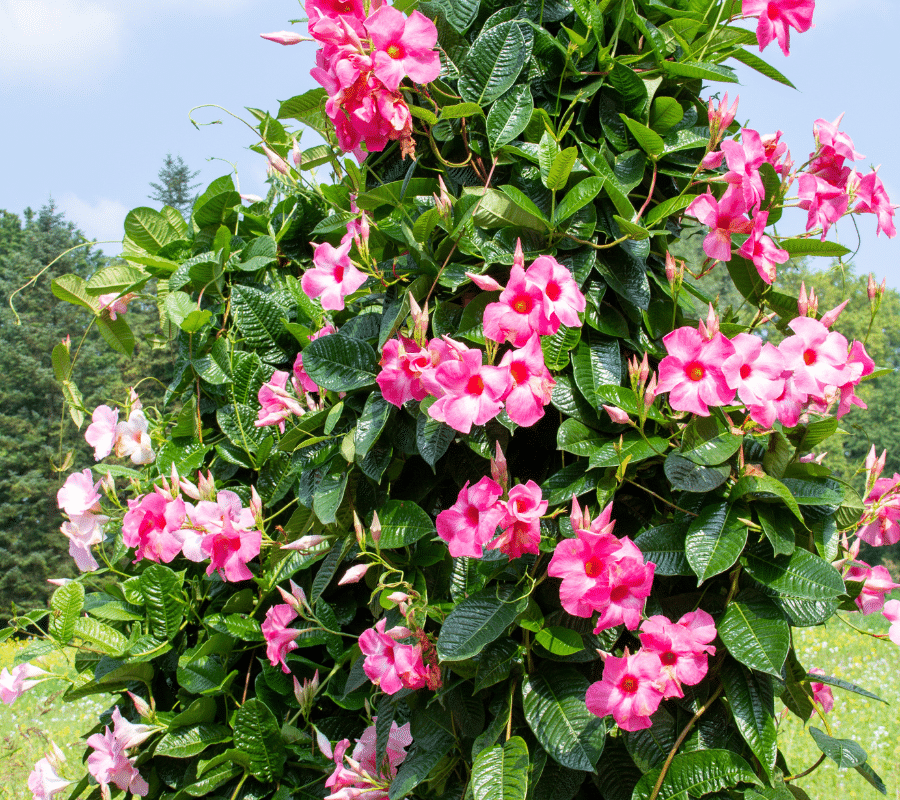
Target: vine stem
x=681, y=737
x=806, y=771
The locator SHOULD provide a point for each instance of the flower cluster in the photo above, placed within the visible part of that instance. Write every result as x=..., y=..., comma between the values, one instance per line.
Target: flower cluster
x=109, y=763
x=128, y=438
x=881, y=520
x=601, y=572
x=876, y=585
x=160, y=525
x=359, y=775
x=672, y=654
x=471, y=522
x=362, y=61
x=811, y=369
x=391, y=665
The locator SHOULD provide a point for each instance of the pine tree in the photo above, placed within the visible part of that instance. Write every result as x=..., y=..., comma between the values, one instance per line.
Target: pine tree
x=175, y=188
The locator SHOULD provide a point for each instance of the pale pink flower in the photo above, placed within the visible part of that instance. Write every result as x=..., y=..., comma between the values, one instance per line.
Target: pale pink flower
x=296, y=598
x=825, y=202
x=227, y=508
x=518, y=313
x=837, y=141
x=471, y=522
x=562, y=299
x=132, y=439
x=822, y=695
x=473, y=392
x=334, y=276
x=403, y=46
x=873, y=199
x=723, y=217
x=14, y=682
x=744, y=161
x=761, y=250
x=631, y=690
x=777, y=17
x=130, y=734
x=892, y=614
x=531, y=383
x=876, y=583
x=279, y=637
x=277, y=404
x=79, y=495
x=84, y=531
x=786, y=408
x=390, y=665
x=152, y=525
x=617, y=415
x=284, y=37
x=683, y=647
x=692, y=371
x=115, y=304
x=720, y=117
x=360, y=776
x=44, y=782
x=776, y=152
x=101, y=433
x=860, y=364
x=883, y=509
x=305, y=543
x=109, y=763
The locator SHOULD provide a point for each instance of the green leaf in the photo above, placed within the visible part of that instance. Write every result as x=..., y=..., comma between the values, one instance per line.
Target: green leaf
x=556, y=348
x=686, y=476
x=116, y=278
x=493, y=63
x=509, y=116
x=525, y=203
x=840, y=683
x=665, y=547
x=214, y=205
x=501, y=772
x=403, y=523
x=871, y=777
x=62, y=362
x=72, y=289
x=755, y=62
x=107, y=639
x=778, y=528
x=755, y=632
x=560, y=169
x=499, y=210
x=330, y=492
x=577, y=197
x=308, y=108
x=161, y=589
x=665, y=113
x=800, y=575
x=117, y=334
x=704, y=70
x=596, y=362
x=433, y=736
x=815, y=491
x=554, y=707
x=462, y=110
x=433, y=438
x=668, y=207
x=478, y=620
x=182, y=742
x=708, y=441
x=115, y=680
x=765, y=486
x=340, y=363
x=751, y=700
x=697, y=774
x=559, y=641
x=371, y=423
x=649, y=140
x=813, y=247
x=258, y=318
x=65, y=608
x=149, y=229
x=715, y=539
x=844, y=752
x=256, y=733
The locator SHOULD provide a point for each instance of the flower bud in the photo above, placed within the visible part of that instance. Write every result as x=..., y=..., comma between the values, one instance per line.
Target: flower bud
x=872, y=288
x=296, y=155
x=354, y=574
x=375, y=528
x=276, y=161
x=323, y=743
x=830, y=317
x=499, y=468
x=650, y=392
x=617, y=415
x=251, y=198
x=802, y=301
x=285, y=37
x=304, y=543
x=141, y=705
x=671, y=269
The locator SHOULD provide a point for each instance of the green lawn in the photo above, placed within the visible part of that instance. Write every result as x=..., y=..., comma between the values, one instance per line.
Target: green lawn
x=36, y=718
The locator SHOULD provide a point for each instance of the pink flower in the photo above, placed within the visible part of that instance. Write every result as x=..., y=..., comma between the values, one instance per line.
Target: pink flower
x=300, y=376
x=825, y=202
x=744, y=161
x=361, y=776
x=692, y=371
x=115, y=303
x=873, y=199
x=471, y=522
x=892, y=614
x=860, y=364
x=334, y=276
x=129, y=734
x=83, y=531
x=132, y=439
x=723, y=217
x=776, y=152
x=403, y=46
x=816, y=356
x=777, y=17
x=279, y=637
x=838, y=142
x=400, y=379
x=473, y=392
x=883, y=509
x=754, y=370
x=283, y=37
x=390, y=665
x=532, y=384
x=13, y=683
x=631, y=690
x=519, y=312
x=522, y=524
x=101, y=433
x=720, y=117
x=562, y=299
x=682, y=647
x=153, y=526
x=761, y=250
x=109, y=763
x=44, y=782
x=876, y=584
x=229, y=551
x=78, y=494
x=277, y=404
x=821, y=693
x=628, y=582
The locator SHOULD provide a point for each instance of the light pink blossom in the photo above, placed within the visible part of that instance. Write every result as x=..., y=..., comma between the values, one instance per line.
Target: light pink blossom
x=152, y=525
x=84, y=531
x=723, y=217
x=229, y=551
x=44, y=782
x=14, y=682
x=133, y=440
x=531, y=383
x=891, y=613
x=744, y=161
x=761, y=250
x=521, y=527
x=403, y=46
x=873, y=199
x=79, y=495
x=562, y=299
x=825, y=202
x=109, y=763
x=115, y=304
x=777, y=17
x=333, y=277
x=284, y=37
x=876, y=583
x=390, y=665
x=683, y=647
x=277, y=403
x=473, y=392
x=359, y=776
x=279, y=637
x=402, y=362
x=883, y=513
x=101, y=433
x=754, y=370
x=822, y=695
x=816, y=357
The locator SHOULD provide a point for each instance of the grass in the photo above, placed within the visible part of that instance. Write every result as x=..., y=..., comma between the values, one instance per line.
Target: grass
x=38, y=716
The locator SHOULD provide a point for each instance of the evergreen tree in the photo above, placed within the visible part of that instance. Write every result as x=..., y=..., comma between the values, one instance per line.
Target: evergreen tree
x=175, y=188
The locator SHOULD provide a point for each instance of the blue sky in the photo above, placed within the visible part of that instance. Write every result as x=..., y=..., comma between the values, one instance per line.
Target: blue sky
x=96, y=92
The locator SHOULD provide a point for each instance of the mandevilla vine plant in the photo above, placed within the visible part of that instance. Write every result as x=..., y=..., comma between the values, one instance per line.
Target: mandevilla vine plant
x=463, y=488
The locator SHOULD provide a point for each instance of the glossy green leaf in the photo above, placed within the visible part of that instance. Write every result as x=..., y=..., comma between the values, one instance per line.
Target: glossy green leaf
x=256, y=733
x=751, y=701
x=844, y=752
x=493, y=63
x=149, y=229
x=161, y=589
x=704, y=70
x=577, y=197
x=686, y=476
x=501, y=772
x=374, y=417
x=186, y=742
x=560, y=169
x=755, y=632
x=340, y=363
x=813, y=247
x=840, y=683
x=708, y=441
x=65, y=608
x=755, y=62
x=664, y=545
x=799, y=575
x=509, y=115
x=596, y=362
x=554, y=707
x=697, y=774
x=403, y=523
x=478, y=620
x=649, y=140
x=433, y=438
x=715, y=539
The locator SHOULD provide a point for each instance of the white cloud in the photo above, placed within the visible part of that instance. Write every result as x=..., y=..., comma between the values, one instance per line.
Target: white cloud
x=55, y=40
x=101, y=220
